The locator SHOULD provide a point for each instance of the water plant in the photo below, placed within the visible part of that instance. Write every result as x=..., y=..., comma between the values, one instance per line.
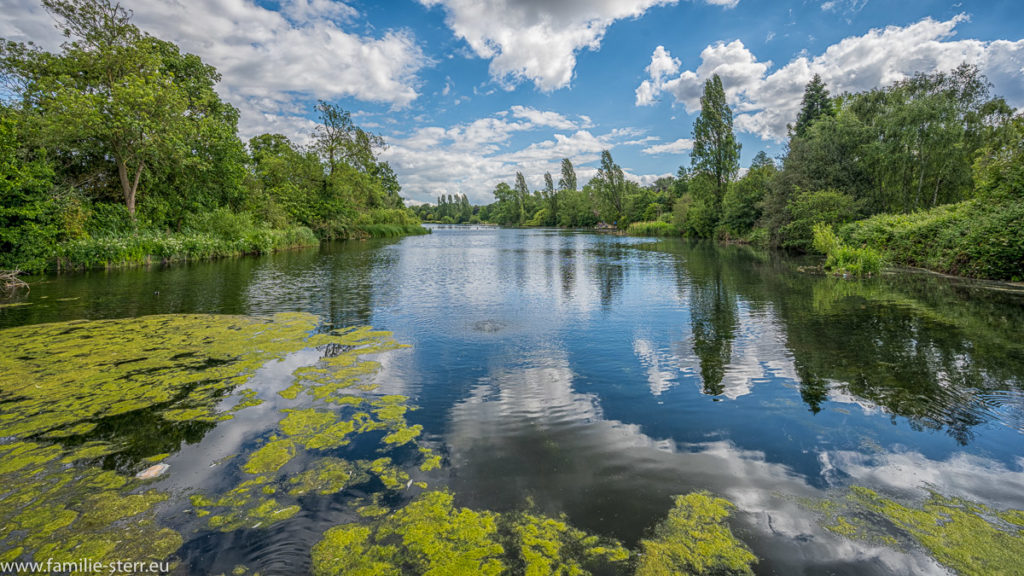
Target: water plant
x=969, y=537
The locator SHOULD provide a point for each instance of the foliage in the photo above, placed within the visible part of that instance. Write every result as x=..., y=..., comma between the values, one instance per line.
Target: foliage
x=999, y=169
x=742, y=204
x=816, y=104
x=655, y=228
x=977, y=238
x=118, y=149
x=816, y=207
x=715, y=150
x=844, y=259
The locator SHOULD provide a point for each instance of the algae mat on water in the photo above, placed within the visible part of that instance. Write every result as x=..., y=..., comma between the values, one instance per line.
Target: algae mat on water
x=61, y=386
x=77, y=393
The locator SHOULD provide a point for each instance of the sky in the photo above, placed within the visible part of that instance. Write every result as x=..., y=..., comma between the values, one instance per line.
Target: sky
x=467, y=92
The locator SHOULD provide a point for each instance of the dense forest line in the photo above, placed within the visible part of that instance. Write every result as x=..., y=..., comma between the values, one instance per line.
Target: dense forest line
x=928, y=172
x=117, y=150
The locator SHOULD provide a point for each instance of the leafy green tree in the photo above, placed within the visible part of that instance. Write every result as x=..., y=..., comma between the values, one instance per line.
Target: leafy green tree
x=715, y=150
x=568, y=179
x=816, y=104
x=611, y=188
x=28, y=211
x=522, y=197
x=109, y=93
x=742, y=205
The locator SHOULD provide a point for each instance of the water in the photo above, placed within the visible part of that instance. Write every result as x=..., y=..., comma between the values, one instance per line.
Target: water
x=597, y=376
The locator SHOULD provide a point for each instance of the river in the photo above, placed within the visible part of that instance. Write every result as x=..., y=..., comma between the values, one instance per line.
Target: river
x=597, y=376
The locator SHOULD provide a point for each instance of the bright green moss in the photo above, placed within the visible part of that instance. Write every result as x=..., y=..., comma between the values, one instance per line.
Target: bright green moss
x=695, y=539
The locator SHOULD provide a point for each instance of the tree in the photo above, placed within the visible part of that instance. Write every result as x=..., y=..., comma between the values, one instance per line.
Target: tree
x=550, y=200
x=742, y=205
x=611, y=187
x=715, y=150
x=338, y=139
x=110, y=92
x=522, y=194
x=568, y=179
x=815, y=104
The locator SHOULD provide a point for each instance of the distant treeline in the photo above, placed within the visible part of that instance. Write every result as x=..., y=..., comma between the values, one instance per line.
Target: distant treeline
x=927, y=172
x=118, y=150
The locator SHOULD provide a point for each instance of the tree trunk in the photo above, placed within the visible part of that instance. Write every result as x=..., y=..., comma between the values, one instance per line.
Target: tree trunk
x=129, y=188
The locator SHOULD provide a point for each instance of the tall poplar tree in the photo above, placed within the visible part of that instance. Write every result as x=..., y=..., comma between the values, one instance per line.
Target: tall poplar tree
x=715, y=150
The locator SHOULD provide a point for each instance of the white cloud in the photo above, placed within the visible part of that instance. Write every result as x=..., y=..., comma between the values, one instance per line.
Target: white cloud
x=677, y=147
x=472, y=158
x=543, y=118
x=765, y=103
x=538, y=40
x=269, y=60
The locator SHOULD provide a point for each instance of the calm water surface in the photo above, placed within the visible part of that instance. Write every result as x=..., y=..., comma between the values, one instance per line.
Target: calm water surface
x=598, y=376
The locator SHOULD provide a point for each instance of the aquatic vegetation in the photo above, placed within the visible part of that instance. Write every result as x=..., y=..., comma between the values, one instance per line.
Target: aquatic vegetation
x=179, y=369
x=695, y=539
x=432, y=536
x=968, y=537
x=965, y=536
x=186, y=364
x=304, y=435
x=271, y=457
x=327, y=476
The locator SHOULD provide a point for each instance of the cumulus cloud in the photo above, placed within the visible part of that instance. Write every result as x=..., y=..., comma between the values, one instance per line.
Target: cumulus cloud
x=537, y=40
x=544, y=118
x=269, y=59
x=765, y=103
x=677, y=147
x=473, y=157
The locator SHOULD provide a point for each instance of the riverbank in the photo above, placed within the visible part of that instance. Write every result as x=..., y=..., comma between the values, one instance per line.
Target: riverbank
x=147, y=247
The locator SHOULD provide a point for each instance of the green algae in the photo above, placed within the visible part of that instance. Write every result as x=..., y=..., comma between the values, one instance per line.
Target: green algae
x=968, y=537
x=271, y=457
x=695, y=539
x=963, y=535
x=432, y=536
x=186, y=363
x=403, y=436
x=89, y=451
x=176, y=368
x=327, y=476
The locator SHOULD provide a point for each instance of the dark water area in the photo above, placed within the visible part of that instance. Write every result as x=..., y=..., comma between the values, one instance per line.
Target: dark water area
x=597, y=376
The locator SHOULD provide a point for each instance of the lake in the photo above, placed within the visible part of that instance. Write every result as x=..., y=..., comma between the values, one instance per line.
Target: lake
x=577, y=376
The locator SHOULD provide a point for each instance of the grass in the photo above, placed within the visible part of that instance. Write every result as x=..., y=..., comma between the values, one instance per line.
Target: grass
x=146, y=247
x=654, y=228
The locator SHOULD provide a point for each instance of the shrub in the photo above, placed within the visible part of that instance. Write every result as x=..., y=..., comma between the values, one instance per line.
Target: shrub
x=816, y=207
x=844, y=259
x=982, y=238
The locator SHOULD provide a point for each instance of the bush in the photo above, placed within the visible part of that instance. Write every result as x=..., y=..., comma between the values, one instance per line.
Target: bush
x=977, y=238
x=654, y=228
x=844, y=259
x=817, y=207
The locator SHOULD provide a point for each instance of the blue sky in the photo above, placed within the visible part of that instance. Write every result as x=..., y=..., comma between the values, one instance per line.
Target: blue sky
x=466, y=92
